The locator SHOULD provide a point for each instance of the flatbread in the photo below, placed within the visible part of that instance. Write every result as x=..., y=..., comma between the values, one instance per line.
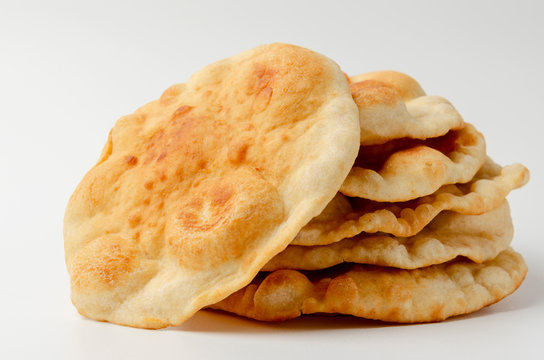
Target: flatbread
x=406, y=86
x=196, y=191
x=417, y=171
x=344, y=219
x=393, y=105
x=477, y=237
x=406, y=296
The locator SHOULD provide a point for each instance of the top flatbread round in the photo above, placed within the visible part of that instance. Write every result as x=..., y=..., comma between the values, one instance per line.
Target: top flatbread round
x=392, y=105
x=196, y=191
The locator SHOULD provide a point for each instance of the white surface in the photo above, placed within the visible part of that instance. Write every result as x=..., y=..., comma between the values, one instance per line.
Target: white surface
x=68, y=71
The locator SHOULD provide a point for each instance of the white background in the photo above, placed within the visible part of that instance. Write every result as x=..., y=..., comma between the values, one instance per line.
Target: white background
x=69, y=70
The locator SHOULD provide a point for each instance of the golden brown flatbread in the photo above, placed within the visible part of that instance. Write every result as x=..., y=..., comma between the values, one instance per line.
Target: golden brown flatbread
x=406, y=86
x=450, y=234
x=196, y=191
x=344, y=219
x=428, y=294
x=411, y=143
x=416, y=169
x=392, y=105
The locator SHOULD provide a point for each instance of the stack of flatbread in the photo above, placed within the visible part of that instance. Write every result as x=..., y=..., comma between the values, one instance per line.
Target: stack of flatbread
x=271, y=185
